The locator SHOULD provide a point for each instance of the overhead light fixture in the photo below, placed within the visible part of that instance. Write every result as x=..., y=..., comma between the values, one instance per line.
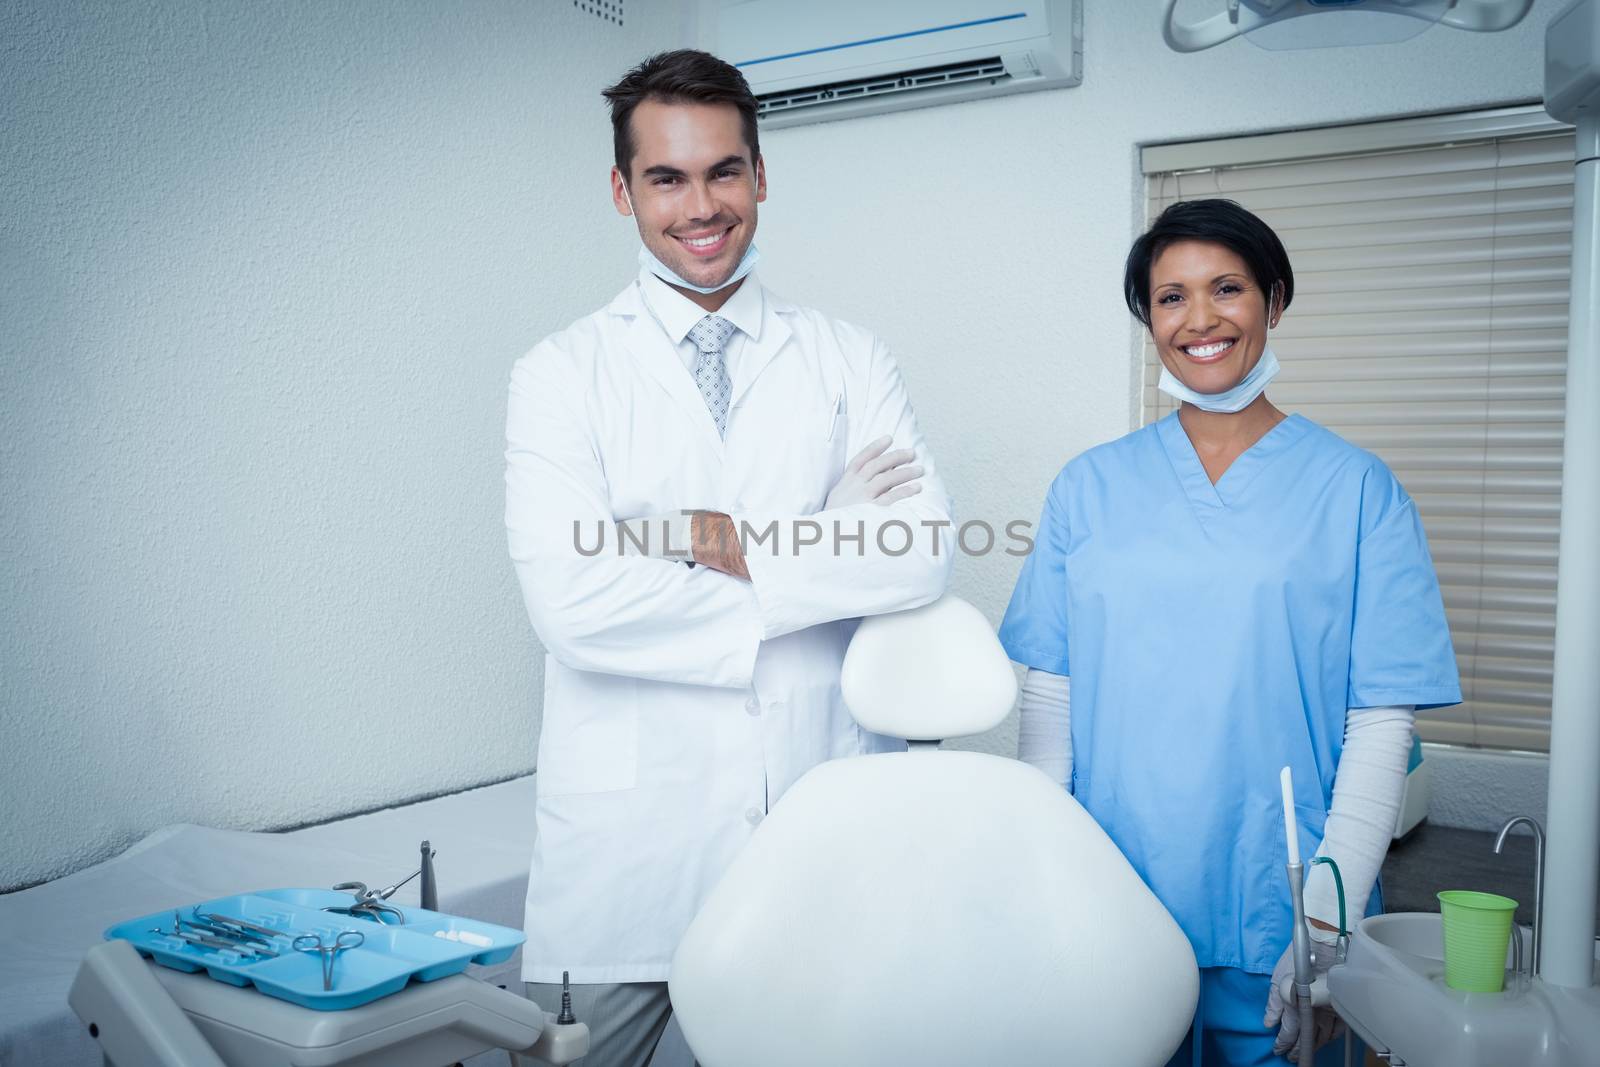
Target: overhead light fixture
x=1282, y=24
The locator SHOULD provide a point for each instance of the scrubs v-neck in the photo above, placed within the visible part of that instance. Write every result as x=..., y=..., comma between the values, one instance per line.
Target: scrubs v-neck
x=1214, y=634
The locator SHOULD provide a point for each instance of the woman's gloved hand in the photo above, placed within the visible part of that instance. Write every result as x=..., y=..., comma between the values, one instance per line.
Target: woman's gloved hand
x=875, y=475
x=1281, y=1008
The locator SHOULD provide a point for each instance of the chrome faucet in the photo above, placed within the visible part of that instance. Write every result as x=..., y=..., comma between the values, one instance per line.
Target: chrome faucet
x=1538, y=879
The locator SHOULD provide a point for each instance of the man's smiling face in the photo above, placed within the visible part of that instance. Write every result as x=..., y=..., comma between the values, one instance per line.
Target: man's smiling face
x=692, y=187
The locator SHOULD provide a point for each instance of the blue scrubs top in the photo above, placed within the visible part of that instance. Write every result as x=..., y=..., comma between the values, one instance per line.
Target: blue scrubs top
x=1216, y=633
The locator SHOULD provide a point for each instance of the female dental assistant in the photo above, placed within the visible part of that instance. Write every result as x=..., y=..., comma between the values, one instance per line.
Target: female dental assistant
x=1230, y=590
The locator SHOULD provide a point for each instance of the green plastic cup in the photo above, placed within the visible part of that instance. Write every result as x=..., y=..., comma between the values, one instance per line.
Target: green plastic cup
x=1477, y=932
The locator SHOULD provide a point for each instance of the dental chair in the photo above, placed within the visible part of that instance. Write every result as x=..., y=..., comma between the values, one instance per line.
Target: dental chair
x=931, y=907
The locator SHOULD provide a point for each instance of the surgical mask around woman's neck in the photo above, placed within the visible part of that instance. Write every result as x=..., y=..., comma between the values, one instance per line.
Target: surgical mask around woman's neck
x=1229, y=401
x=650, y=262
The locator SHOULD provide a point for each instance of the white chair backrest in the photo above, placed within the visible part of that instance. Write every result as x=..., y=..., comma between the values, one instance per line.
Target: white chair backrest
x=934, y=908
x=929, y=673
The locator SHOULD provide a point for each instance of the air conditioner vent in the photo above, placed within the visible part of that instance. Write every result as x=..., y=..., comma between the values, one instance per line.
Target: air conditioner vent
x=604, y=10
x=991, y=70
x=824, y=60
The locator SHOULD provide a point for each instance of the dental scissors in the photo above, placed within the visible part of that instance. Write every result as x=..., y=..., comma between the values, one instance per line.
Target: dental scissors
x=346, y=939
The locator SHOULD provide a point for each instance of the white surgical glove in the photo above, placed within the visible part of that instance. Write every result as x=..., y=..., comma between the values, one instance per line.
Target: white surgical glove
x=875, y=475
x=1281, y=1008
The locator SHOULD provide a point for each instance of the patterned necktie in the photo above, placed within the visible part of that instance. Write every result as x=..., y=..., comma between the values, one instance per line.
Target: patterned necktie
x=710, y=335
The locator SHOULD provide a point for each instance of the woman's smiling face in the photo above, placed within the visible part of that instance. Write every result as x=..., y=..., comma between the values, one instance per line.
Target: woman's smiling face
x=1208, y=316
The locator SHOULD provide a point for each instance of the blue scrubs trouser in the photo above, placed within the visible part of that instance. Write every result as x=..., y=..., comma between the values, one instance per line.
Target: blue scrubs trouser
x=1228, y=1020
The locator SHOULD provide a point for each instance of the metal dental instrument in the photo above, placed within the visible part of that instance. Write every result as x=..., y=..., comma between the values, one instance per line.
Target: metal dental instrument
x=370, y=902
x=347, y=939
x=217, y=943
x=1305, y=991
x=566, y=1018
x=229, y=920
x=206, y=931
x=178, y=924
x=227, y=933
x=1305, y=1047
x=387, y=893
x=429, y=888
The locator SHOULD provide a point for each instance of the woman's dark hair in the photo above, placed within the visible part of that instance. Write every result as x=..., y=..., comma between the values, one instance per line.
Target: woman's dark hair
x=1220, y=222
x=683, y=76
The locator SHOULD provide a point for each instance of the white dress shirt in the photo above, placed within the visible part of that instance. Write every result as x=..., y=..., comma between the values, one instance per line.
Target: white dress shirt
x=677, y=315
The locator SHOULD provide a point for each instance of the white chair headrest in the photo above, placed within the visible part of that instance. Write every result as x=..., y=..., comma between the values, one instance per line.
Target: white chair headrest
x=929, y=673
x=937, y=911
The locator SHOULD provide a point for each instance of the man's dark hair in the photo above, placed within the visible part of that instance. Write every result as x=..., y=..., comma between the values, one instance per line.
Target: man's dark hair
x=1220, y=222
x=684, y=76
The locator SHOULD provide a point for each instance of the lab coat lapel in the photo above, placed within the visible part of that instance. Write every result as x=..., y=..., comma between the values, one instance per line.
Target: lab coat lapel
x=656, y=356
x=761, y=350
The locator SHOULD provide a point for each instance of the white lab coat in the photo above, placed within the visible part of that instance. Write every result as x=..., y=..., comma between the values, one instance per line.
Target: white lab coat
x=679, y=702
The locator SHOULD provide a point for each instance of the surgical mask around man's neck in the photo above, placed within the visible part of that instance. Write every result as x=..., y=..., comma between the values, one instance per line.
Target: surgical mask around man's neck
x=1229, y=401
x=648, y=260
x=652, y=263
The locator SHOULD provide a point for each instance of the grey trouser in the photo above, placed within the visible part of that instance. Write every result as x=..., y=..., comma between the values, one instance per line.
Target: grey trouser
x=630, y=1025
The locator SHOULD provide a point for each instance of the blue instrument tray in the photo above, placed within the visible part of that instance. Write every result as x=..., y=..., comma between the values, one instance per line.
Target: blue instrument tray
x=427, y=946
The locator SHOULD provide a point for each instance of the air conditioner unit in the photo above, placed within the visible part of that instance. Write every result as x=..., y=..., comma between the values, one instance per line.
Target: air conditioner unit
x=818, y=60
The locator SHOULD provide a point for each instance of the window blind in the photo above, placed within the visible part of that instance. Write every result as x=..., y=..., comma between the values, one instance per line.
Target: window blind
x=1429, y=326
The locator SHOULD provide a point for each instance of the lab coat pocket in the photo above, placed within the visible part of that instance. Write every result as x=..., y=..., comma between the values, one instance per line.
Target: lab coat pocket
x=838, y=447
x=589, y=740
x=839, y=432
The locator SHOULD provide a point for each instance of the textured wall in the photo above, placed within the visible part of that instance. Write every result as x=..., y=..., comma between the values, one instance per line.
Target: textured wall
x=264, y=268
x=984, y=241
x=1478, y=790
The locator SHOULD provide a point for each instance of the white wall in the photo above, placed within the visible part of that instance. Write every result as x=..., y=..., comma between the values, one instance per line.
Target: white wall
x=985, y=240
x=264, y=268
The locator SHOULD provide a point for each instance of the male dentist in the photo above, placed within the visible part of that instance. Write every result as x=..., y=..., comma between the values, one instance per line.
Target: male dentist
x=688, y=685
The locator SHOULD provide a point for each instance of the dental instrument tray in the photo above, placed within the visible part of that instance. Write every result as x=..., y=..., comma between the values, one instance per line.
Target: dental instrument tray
x=282, y=942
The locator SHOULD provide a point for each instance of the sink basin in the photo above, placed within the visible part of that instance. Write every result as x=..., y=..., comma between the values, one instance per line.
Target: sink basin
x=1391, y=991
